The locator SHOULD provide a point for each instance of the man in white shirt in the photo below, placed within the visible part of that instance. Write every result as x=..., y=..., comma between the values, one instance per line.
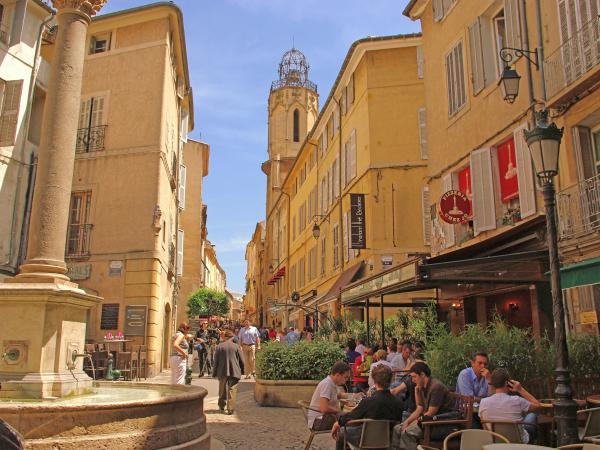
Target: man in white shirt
x=379, y=360
x=325, y=397
x=403, y=359
x=249, y=341
x=502, y=406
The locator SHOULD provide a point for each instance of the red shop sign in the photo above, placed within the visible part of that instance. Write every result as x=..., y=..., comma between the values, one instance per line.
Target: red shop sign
x=454, y=207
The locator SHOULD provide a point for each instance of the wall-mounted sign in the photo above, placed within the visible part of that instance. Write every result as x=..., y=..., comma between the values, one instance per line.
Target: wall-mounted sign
x=386, y=261
x=358, y=234
x=588, y=317
x=79, y=271
x=115, y=268
x=454, y=207
x=110, y=316
x=135, y=320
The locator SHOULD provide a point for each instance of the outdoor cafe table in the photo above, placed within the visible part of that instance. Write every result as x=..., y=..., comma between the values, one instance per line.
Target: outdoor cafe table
x=515, y=447
x=594, y=400
x=116, y=345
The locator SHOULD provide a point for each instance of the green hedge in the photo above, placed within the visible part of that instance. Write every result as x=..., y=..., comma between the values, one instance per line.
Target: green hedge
x=301, y=361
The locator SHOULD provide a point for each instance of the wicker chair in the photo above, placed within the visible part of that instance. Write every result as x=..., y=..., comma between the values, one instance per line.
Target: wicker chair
x=590, y=432
x=375, y=434
x=474, y=439
x=511, y=430
x=305, y=406
x=465, y=405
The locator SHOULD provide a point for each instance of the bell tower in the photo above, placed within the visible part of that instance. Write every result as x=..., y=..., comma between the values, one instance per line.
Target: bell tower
x=293, y=109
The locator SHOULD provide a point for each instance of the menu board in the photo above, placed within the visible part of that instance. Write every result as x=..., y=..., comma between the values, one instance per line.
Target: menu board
x=135, y=320
x=110, y=316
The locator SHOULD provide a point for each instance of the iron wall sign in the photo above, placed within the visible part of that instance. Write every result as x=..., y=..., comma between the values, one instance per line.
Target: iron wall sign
x=358, y=234
x=454, y=207
x=135, y=320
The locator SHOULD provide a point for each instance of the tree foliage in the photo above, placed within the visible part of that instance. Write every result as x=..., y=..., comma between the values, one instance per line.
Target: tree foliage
x=207, y=302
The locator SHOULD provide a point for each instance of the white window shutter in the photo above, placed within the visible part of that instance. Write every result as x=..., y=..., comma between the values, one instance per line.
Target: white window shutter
x=97, y=111
x=476, y=49
x=353, y=154
x=420, y=62
x=513, y=23
x=422, y=132
x=10, y=111
x=482, y=185
x=184, y=125
x=182, y=177
x=179, y=270
x=346, y=242
x=524, y=174
x=350, y=89
x=426, y=212
x=449, y=235
x=343, y=165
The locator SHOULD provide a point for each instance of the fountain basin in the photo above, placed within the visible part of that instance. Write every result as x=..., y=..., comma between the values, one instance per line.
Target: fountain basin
x=116, y=416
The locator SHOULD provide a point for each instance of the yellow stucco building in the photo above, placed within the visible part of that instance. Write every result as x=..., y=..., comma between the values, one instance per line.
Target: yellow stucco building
x=369, y=138
x=496, y=259
x=125, y=238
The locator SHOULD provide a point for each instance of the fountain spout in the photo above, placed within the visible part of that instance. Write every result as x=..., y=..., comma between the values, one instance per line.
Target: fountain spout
x=88, y=356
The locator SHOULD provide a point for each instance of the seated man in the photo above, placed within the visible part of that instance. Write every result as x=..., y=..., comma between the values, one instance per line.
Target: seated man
x=474, y=382
x=382, y=405
x=432, y=398
x=325, y=397
x=351, y=353
x=403, y=359
x=502, y=406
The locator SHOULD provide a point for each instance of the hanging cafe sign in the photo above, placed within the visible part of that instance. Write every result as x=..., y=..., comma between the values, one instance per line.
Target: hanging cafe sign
x=454, y=207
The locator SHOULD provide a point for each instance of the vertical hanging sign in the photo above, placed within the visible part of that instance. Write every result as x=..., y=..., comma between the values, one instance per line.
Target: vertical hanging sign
x=358, y=235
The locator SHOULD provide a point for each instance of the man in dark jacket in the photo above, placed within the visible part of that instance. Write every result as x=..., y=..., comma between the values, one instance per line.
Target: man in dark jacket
x=228, y=368
x=382, y=405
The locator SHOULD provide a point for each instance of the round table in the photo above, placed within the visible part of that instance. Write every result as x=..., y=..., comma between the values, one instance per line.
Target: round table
x=594, y=399
x=515, y=447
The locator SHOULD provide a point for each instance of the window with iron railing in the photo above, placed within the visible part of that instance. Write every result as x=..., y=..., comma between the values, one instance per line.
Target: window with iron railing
x=92, y=129
x=79, y=229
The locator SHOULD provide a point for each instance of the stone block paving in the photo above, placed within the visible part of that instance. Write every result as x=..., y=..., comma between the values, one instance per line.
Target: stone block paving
x=253, y=427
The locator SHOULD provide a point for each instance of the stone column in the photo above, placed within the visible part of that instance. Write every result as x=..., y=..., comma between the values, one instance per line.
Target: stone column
x=50, y=211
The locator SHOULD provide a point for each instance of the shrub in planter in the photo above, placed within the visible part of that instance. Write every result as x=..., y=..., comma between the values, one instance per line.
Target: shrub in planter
x=302, y=361
x=584, y=355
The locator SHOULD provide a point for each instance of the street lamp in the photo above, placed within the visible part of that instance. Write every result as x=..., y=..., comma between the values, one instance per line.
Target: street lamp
x=316, y=229
x=544, y=143
x=509, y=84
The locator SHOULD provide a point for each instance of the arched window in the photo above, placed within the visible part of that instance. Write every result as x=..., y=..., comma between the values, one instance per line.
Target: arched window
x=296, y=125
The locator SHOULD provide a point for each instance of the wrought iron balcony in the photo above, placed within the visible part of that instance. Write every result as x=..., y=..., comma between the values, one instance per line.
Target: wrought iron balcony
x=90, y=139
x=579, y=209
x=293, y=83
x=78, y=240
x=573, y=59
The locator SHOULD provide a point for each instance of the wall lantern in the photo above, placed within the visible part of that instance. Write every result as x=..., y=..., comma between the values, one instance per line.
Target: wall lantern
x=544, y=144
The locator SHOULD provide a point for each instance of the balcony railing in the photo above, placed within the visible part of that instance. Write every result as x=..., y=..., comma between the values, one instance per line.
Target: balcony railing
x=579, y=209
x=574, y=58
x=78, y=240
x=293, y=83
x=90, y=139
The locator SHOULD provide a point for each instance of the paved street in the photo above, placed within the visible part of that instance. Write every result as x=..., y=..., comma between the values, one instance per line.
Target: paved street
x=252, y=427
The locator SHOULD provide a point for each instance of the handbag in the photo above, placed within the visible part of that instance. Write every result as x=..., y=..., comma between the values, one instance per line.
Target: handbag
x=324, y=423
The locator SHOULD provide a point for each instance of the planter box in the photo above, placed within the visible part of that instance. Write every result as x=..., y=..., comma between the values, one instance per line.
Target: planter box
x=283, y=393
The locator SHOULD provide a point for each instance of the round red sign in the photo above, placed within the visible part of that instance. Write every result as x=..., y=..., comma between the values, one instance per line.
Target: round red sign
x=454, y=207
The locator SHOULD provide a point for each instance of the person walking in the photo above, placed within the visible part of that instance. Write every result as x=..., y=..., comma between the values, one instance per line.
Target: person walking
x=228, y=368
x=249, y=341
x=179, y=354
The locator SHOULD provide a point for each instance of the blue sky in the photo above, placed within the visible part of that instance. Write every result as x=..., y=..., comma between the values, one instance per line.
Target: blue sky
x=234, y=48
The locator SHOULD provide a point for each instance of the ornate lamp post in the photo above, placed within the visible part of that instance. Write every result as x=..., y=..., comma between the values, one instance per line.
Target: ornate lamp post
x=544, y=143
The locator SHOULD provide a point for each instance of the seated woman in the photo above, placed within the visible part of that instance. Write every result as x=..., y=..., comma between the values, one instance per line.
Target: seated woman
x=361, y=365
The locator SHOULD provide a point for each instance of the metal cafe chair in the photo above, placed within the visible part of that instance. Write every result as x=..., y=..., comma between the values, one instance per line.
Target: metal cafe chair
x=305, y=406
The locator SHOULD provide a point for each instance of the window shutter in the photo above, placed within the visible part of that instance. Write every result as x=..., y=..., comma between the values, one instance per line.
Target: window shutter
x=477, y=69
x=179, y=270
x=484, y=207
x=336, y=178
x=350, y=89
x=343, y=165
x=97, y=111
x=513, y=24
x=182, y=177
x=336, y=118
x=346, y=235
x=422, y=133
x=330, y=185
x=184, y=125
x=449, y=235
x=420, y=63
x=10, y=111
x=584, y=153
x=353, y=154
x=426, y=214
x=343, y=102
x=524, y=174
x=438, y=10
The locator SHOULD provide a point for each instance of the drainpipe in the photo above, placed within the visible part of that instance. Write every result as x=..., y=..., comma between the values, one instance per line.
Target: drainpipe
x=34, y=71
x=342, y=224
x=540, y=47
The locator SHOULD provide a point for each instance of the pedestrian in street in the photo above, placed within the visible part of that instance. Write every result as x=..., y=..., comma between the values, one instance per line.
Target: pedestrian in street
x=249, y=340
x=202, y=348
x=228, y=368
x=292, y=337
x=179, y=354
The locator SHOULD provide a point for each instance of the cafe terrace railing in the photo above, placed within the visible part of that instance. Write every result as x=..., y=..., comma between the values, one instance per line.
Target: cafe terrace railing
x=573, y=59
x=579, y=208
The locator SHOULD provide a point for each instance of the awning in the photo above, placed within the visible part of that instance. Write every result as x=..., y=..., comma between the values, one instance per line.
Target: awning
x=343, y=280
x=402, y=278
x=581, y=273
x=279, y=274
x=522, y=267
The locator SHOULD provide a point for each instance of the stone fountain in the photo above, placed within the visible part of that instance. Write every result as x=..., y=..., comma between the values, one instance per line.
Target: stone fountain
x=44, y=392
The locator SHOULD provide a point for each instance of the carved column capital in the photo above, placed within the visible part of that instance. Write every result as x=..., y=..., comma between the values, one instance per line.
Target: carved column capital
x=89, y=7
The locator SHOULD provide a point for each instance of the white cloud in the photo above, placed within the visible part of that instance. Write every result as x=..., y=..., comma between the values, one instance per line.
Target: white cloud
x=235, y=244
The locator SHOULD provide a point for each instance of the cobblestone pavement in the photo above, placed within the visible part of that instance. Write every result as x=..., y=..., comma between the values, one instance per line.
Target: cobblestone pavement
x=253, y=427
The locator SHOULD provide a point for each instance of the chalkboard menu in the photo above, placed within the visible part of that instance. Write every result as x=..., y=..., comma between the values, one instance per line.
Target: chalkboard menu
x=135, y=320
x=110, y=316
